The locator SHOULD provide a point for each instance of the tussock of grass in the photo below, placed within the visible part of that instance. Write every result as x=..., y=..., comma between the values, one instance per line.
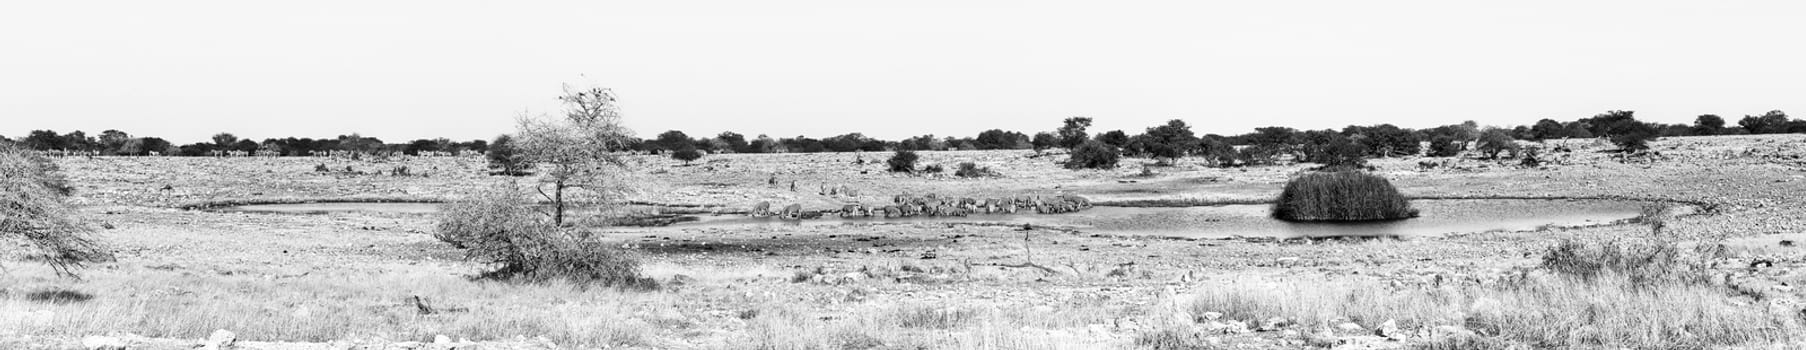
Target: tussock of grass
x=1341, y=196
x=934, y=318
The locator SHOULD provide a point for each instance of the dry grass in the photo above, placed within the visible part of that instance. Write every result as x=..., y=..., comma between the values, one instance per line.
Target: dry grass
x=1604, y=307
x=909, y=326
x=170, y=304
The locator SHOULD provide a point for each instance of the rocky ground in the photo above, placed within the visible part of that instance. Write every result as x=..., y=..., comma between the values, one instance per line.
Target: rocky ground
x=340, y=280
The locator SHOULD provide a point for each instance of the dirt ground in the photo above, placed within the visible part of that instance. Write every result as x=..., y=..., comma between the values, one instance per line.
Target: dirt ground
x=345, y=280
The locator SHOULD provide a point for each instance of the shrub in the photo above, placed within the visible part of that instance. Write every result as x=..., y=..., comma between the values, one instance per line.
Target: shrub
x=1446, y=146
x=1495, y=141
x=970, y=169
x=1341, y=196
x=687, y=154
x=1532, y=158
x=1093, y=155
x=1340, y=153
x=903, y=162
x=498, y=226
x=933, y=169
x=34, y=208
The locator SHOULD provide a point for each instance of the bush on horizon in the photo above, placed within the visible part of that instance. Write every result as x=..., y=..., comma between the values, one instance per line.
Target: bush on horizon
x=1093, y=155
x=1341, y=196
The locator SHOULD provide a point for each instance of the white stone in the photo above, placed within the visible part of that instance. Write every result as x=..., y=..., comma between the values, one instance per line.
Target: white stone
x=1390, y=330
x=441, y=339
x=223, y=338
x=1349, y=327
x=1237, y=327
x=1212, y=316
x=96, y=342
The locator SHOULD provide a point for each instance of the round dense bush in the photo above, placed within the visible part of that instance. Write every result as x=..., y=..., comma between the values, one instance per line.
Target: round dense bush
x=1341, y=196
x=903, y=162
x=1093, y=155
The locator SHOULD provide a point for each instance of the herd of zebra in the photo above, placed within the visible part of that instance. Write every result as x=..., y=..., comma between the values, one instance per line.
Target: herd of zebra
x=935, y=205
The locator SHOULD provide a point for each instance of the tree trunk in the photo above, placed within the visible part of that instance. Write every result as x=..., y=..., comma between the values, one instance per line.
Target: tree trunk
x=558, y=203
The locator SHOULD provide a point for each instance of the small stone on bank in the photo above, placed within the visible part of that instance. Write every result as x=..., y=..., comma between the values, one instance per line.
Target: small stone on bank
x=96, y=342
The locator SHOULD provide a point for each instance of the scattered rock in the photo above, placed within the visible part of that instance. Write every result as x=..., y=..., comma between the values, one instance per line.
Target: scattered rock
x=221, y=339
x=1273, y=324
x=103, y=343
x=1451, y=331
x=681, y=279
x=1236, y=327
x=1389, y=330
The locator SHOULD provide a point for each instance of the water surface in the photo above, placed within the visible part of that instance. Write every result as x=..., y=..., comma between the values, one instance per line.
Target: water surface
x=1438, y=217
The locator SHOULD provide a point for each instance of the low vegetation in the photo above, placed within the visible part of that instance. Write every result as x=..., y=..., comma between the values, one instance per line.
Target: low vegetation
x=972, y=170
x=1341, y=196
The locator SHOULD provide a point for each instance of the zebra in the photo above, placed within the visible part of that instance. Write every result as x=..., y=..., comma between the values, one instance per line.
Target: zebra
x=851, y=210
x=793, y=211
x=993, y=205
x=761, y=209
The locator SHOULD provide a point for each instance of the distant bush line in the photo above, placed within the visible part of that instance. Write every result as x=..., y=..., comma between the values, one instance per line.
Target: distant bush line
x=1164, y=143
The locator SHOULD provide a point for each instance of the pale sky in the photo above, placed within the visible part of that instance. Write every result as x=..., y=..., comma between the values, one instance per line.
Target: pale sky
x=402, y=70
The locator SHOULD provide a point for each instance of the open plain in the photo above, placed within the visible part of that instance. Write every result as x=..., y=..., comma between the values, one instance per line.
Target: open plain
x=380, y=280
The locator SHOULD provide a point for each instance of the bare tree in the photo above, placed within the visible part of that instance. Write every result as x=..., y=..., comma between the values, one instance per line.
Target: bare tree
x=579, y=153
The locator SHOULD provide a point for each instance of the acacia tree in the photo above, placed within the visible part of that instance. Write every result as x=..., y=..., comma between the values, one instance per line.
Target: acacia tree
x=578, y=153
x=224, y=139
x=1494, y=141
x=1072, y=134
x=506, y=158
x=34, y=207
